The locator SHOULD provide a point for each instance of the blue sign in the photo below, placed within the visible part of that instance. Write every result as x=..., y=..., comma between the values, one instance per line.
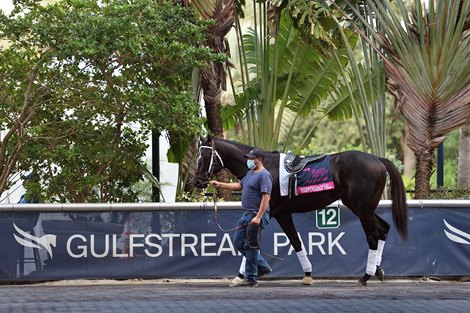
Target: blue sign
x=155, y=244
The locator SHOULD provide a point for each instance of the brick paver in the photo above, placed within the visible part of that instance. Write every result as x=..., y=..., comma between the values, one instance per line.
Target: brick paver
x=215, y=296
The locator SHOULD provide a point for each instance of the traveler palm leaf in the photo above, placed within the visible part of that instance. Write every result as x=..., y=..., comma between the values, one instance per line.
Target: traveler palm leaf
x=426, y=60
x=284, y=75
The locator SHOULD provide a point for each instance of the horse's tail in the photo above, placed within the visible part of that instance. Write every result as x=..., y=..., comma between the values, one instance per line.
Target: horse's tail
x=399, y=207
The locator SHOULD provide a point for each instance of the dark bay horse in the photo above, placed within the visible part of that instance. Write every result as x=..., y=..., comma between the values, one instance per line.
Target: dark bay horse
x=359, y=179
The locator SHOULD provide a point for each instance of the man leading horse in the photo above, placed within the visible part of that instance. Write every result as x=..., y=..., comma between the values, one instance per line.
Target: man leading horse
x=256, y=189
x=358, y=179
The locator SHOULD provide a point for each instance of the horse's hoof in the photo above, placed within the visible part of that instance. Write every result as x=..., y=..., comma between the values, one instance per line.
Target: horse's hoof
x=361, y=283
x=380, y=273
x=307, y=280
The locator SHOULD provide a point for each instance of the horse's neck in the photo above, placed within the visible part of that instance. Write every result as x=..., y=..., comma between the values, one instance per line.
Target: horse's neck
x=233, y=157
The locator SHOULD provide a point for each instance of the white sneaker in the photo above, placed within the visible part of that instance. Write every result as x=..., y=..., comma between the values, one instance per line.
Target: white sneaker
x=237, y=281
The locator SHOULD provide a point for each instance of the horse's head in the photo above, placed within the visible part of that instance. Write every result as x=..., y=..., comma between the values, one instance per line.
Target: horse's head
x=209, y=163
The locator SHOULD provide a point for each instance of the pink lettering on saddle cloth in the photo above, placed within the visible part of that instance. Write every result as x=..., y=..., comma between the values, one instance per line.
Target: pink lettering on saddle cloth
x=315, y=188
x=315, y=177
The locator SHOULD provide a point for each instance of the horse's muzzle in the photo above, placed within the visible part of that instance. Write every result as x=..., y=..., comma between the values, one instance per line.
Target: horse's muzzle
x=201, y=182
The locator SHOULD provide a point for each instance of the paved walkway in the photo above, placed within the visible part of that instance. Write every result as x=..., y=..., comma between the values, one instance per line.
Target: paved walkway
x=215, y=296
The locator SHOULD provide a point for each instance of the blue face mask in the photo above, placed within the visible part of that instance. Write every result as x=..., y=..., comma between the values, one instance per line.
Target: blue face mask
x=251, y=164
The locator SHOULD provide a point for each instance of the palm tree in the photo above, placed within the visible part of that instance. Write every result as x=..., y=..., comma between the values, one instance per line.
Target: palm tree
x=426, y=60
x=290, y=72
x=287, y=78
x=213, y=79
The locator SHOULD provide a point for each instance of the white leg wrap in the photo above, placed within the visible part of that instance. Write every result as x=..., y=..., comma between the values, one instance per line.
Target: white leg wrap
x=380, y=250
x=371, y=262
x=304, y=262
x=242, y=266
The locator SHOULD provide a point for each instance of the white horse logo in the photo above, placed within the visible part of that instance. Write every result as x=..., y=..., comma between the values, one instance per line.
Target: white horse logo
x=28, y=240
x=458, y=235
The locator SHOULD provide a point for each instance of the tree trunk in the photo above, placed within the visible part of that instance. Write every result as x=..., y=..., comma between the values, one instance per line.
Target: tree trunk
x=463, y=173
x=424, y=165
x=189, y=166
x=409, y=159
x=211, y=87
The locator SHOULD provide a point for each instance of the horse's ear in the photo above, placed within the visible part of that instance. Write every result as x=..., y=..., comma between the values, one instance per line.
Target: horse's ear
x=209, y=139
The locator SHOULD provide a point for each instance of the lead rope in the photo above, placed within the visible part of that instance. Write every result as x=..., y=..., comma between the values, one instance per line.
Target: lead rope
x=216, y=218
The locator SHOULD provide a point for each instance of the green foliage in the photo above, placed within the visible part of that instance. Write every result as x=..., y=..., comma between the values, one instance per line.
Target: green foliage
x=315, y=19
x=450, y=194
x=195, y=196
x=451, y=155
x=95, y=78
x=330, y=137
x=284, y=81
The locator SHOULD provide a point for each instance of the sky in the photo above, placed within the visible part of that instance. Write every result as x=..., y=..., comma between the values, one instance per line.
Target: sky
x=6, y=5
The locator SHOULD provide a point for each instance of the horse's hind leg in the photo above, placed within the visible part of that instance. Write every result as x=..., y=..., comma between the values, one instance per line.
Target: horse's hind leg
x=287, y=225
x=376, y=230
x=382, y=236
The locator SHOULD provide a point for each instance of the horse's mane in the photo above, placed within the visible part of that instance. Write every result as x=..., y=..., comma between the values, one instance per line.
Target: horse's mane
x=234, y=142
x=241, y=144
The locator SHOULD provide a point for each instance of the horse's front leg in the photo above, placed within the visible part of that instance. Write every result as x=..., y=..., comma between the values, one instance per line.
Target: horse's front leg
x=287, y=225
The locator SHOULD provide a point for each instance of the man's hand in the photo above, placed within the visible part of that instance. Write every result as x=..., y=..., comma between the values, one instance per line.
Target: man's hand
x=256, y=220
x=214, y=183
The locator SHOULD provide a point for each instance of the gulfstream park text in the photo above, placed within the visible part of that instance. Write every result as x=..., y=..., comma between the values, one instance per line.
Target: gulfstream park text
x=205, y=244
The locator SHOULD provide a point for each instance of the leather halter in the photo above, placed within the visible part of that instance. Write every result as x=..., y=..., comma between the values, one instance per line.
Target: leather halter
x=214, y=156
